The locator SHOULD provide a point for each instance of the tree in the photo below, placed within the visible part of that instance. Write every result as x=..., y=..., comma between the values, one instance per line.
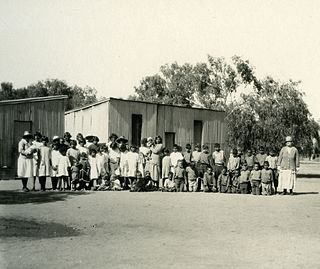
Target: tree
x=77, y=96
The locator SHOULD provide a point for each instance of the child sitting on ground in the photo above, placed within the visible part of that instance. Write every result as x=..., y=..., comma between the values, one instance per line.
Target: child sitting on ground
x=139, y=183
x=224, y=180
x=180, y=176
x=255, y=179
x=244, y=179
x=209, y=182
x=266, y=179
x=169, y=185
x=192, y=177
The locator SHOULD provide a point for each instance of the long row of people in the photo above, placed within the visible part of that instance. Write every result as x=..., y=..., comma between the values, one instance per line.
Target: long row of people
x=86, y=164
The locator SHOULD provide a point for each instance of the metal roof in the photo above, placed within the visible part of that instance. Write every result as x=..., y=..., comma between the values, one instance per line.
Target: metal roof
x=137, y=101
x=33, y=99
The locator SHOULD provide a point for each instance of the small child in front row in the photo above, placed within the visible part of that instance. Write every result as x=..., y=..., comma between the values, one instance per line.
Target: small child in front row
x=45, y=162
x=84, y=172
x=63, y=169
x=166, y=167
x=209, y=181
x=192, y=176
x=169, y=185
x=255, y=179
x=223, y=180
x=94, y=170
x=180, y=176
x=235, y=182
x=244, y=179
x=266, y=179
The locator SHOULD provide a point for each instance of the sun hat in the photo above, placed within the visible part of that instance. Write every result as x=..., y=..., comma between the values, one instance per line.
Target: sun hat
x=26, y=134
x=55, y=138
x=288, y=139
x=123, y=139
x=149, y=139
x=113, y=135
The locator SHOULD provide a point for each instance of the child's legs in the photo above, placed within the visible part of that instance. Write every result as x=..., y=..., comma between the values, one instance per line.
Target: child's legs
x=42, y=181
x=54, y=182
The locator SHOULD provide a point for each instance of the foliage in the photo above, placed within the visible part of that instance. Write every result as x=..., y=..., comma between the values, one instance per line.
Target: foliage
x=264, y=116
x=77, y=96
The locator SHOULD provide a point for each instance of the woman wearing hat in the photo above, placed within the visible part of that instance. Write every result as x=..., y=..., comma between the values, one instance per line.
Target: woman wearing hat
x=288, y=165
x=25, y=160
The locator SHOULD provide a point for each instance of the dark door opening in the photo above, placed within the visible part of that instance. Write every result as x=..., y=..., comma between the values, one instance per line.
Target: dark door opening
x=197, y=132
x=136, y=129
x=169, y=140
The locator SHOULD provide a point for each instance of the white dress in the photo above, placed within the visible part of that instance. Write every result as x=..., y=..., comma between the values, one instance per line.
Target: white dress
x=25, y=160
x=55, y=157
x=94, y=171
x=45, y=159
x=63, y=165
x=37, y=146
x=132, y=161
x=123, y=164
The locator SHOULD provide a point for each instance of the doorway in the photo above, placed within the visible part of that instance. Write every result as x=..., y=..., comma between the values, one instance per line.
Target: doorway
x=197, y=132
x=169, y=140
x=136, y=129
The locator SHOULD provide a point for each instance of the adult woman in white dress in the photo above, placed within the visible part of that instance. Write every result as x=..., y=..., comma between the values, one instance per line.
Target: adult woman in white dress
x=25, y=159
x=288, y=166
x=155, y=161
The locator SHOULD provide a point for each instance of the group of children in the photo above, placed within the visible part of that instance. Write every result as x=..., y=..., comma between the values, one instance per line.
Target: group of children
x=84, y=164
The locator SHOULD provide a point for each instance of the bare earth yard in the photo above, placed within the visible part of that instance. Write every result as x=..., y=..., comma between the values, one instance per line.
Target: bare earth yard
x=159, y=230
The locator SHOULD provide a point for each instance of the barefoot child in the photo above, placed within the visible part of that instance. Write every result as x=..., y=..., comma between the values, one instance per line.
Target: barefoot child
x=244, y=179
x=235, y=182
x=192, y=176
x=169, y=185
x=180, y=176
x=266, y=179
x=94, y=171
x=209, y=182
x=224, y=180
x=255, y=179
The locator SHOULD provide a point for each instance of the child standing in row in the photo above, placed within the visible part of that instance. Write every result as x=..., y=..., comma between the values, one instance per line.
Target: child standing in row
x=244, y=179
x=45, y=162
x=180, y=176
x=266, y=179
x=209, y=182
x=223, y=180
x=63, y=169
x=255, y=179
x=192, y=176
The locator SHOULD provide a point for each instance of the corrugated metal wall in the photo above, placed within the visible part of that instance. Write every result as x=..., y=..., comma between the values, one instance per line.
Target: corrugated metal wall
x=46, y=116
x=156, y=120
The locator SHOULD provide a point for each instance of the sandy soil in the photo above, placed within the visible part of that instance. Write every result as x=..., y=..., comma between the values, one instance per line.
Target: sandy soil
x=159, y=230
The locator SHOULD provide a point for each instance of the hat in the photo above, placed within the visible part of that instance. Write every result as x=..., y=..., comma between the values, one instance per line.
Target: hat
x=288, y=139
x=113, y=135
x=27, y=134
x=67, y=134
x=55, y=138
x=149, y=138
x=123, y=139
x=89, y=137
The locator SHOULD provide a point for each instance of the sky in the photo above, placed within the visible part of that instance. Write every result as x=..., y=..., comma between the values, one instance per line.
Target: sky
x=112, y=45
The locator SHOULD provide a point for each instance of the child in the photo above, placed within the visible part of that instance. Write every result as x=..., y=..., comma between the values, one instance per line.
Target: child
x=204, y=160
x=84, y=172
x=187, y=155
x=103, y=166
x=74, y=156
x=82, y=148
x=234, y=162
x=132, y=164
x=94, y=145
x=139, y=183
x=114, y=158
x=266, y=179
x=244, y=179
x=166, y=165
x=169, y=185
x=45, y=162
x=36, y=144
x=94, y=171
x=179, y=176
x=175, y=157
x=261, y=157
x=249, y=159
x=224, y=180
x=63, y=168
x=234, y=182
x=209, y=181
x=192, y=176
x=55, y=156
x=255, y=179
x=218, y=160
x=115, y=184
x=273, y=160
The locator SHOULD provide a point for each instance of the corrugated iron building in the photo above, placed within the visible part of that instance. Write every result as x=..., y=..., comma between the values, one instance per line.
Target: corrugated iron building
x=44, y=114
x=138, y=119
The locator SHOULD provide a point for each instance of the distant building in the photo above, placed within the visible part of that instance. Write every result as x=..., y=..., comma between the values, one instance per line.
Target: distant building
x=138, y=119
x=44, y=114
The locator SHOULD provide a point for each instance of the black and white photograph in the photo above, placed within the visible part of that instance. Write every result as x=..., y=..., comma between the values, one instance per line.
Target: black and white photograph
x=139, y=134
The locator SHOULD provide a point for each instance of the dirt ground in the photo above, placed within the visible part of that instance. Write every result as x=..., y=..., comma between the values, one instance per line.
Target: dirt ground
x=159, y=230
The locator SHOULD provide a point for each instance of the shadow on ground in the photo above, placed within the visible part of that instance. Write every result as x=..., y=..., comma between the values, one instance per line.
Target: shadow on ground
x=308, y=175
x=18, y=197
x=14, y=227
x=306, y=193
